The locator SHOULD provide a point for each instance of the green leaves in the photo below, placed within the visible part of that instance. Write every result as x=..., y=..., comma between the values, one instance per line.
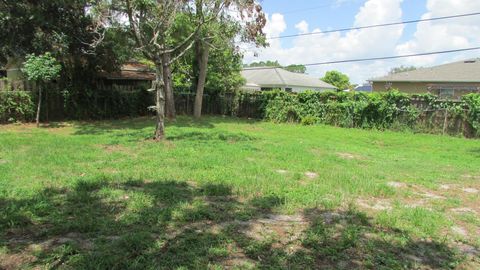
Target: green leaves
x=472, y=102
x=337, y=79
x=15, y=106
x=41, y=68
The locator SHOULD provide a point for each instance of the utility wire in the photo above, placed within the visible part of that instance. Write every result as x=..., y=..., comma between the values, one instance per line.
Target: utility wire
x=376, y=58
x=377, y=25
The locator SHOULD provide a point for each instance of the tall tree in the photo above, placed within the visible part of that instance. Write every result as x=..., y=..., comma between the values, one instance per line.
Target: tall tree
x=150, y=22
x=67, y=29
x=216, y=30
x=337, y=79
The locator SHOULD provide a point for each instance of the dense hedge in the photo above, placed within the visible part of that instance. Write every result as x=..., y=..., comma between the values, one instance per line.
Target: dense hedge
x=16, y=106
x=363, y=110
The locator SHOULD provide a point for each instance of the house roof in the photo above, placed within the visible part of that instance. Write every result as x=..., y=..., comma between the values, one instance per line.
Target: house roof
x=364, y=88
x=282, y=78
x=131, y=71
x=462, y=71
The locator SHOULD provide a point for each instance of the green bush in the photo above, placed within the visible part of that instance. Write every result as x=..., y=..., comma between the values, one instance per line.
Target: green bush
x=472, y=104
x=389, y=110
x=16, y=106
x=309, y=120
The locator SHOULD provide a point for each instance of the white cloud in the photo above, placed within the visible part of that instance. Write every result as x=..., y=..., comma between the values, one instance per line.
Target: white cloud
x=381, y=41
x=302, y=27
x=335, y=46
x=449, y=34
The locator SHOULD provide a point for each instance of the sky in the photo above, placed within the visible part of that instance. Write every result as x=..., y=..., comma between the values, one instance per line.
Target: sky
x=286, y=17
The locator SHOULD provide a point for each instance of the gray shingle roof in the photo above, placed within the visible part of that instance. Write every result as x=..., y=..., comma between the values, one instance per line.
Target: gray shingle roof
x=462, y=71
x=282, y=78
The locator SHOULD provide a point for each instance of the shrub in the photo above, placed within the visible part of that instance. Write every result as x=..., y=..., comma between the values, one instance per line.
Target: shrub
x=388, y=110
x=16, y=106
x=309, y=120
x=472, y=104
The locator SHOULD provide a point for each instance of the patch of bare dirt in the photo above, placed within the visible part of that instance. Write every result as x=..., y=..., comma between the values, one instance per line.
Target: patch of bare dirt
x=445, y=187
x=463, y=210
x=282, y=171
x=311, y=175
x=114, y=148
x=13, y=261
x=286, y=228
x=470, y=190
x=430, y=195
x=396, y=184
x=374, y=204
x=459, y=231
x=52, y=242
x=471, y=177
x=348, y=156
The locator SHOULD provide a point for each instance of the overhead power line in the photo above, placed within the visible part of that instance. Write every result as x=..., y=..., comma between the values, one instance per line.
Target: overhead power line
x=377, y=25
x=378, y=58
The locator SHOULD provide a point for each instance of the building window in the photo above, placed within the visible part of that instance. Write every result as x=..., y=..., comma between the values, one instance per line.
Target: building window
x=289, y=90
x=266, y=89
x=446, y=93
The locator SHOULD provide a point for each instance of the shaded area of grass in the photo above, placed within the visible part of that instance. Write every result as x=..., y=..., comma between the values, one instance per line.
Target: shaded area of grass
x=101, y=195
x=172, y=225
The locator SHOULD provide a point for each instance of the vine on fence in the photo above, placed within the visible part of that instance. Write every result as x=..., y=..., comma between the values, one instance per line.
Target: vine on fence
x=389, y=110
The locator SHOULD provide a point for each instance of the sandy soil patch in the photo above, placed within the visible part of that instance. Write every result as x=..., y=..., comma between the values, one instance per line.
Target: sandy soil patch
x=374, y=204
x=470, y=190
x=311, y=175
x=348, y=156
x=396, y=184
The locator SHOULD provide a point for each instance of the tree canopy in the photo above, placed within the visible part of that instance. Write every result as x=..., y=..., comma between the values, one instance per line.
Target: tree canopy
x=337, y=79
x=292, y=68
x=41, y=68
x=401, y=69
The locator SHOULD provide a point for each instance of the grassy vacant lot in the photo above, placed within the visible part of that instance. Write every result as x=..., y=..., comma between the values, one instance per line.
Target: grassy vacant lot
x=229, y=193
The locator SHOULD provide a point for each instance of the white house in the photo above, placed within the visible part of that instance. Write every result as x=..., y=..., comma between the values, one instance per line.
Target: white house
x=269, y=78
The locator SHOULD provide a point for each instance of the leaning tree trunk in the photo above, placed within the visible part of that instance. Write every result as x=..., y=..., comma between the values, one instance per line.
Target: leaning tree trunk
x=202, y=76
x=168, y=88
x=159, y=102
x=39, y=104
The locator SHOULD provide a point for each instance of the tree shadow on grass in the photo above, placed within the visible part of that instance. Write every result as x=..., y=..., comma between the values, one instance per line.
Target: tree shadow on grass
x=475, y=152
x=211, y=136
x=103, y=127
x=138, y=224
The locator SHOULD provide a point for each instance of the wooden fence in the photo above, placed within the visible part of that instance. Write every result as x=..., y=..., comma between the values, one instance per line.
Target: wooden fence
x=105, y=106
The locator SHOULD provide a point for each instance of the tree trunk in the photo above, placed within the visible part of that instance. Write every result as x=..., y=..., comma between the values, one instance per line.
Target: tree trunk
x=202, y=76
x=159, y=102
x=39, y=104
x=168, y=88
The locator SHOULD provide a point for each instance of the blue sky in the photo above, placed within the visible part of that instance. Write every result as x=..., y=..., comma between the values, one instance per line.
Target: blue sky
x=287, y=17
x=334, y=14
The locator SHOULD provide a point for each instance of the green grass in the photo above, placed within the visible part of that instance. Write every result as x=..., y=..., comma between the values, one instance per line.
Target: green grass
x=102, y=195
